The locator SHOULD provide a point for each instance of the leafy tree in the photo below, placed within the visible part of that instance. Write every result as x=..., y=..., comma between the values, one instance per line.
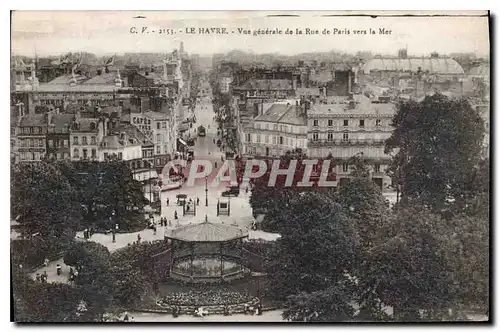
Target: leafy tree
x=328, y=305
x=437, y=144
x=406, y=268
x=94, y=276
x=316, y=247
x=42, y=200
x=363, y=203
x=43, y=302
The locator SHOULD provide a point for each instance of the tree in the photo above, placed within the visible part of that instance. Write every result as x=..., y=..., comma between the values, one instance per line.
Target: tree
x=328, y=305
x=315, y=251
x=406, y=267
x=43, y=302
x=363, y=203
x=437, y=143
x=43, y=200
x=94, y=276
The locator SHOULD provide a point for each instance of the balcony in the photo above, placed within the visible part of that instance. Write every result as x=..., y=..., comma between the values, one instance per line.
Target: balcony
x=350, y=142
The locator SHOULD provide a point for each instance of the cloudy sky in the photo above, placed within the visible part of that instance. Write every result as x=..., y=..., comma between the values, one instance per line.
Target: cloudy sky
x=106, y=32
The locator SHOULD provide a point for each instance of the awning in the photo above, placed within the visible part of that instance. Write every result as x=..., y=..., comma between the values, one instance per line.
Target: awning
x=182, y=142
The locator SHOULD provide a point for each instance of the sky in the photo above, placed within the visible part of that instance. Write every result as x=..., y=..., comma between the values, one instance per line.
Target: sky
x=108, y=32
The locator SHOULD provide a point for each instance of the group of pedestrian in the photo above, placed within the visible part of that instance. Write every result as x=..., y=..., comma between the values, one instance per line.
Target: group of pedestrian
x=164, y=222
x=41, y=277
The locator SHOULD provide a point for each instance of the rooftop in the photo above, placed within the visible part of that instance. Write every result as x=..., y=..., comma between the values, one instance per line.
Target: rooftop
x=267, y=84
x=156, y=115
x=60, y=123
x=363, y=105
x=283, y=113
x=33, y=120
x=65, y=87
x=106, y=78
x=307, y=92
x=432, y=65
x=114, y=142
x=207, y=232
x=86, y=125
x=65, y=79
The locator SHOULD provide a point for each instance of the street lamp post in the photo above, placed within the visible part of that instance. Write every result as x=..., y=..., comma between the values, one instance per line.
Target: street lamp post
x=115, y=229
x=206, y=190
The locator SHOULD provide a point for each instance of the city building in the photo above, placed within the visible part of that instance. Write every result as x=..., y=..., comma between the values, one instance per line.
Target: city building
x=86, y=135
x=31, y=131
x=58, y=136
x=348, y=126
x=277, y=129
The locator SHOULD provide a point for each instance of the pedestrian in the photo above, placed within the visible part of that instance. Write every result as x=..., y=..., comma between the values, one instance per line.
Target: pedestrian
x=170, y=223
x=44, y=276
x=138, y=238
x=45, y=262
x=154, y=230
x=175, y=215
x=126, y=318
x=246, y=190
x=168, y=201
x=58, y=269
x=38, y=277
x=197, y=201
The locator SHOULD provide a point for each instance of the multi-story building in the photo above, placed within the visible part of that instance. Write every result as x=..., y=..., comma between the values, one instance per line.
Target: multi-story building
x=256, y=91
x=278, y=129
x=31, y=131
x=85, y=137
x=120, y=146
x=349, y=126
x=58, y=136
x=158, y=127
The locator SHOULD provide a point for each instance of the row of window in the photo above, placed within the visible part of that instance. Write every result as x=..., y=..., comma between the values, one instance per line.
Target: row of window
x=346, y=123
x=60, y=155
x=271, y=139
x=85, y=153
x=32, y=130
x=282, y=128
x=84, y=140
x=330, y=136
x=31, y=142
x=30, y=156
x=58, y=143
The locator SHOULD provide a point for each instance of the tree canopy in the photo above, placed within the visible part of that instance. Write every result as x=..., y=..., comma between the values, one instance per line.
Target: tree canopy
x=437, y=143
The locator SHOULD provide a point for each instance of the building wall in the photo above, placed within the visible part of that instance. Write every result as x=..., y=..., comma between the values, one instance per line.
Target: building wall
x=30, y=143
x=345, y=135
x=273, y=139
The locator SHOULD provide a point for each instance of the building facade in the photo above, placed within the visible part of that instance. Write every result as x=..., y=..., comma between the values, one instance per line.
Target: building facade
x=278, y=129
x=346, y=127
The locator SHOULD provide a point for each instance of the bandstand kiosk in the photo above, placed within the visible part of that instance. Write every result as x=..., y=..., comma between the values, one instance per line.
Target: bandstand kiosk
x=207, y=252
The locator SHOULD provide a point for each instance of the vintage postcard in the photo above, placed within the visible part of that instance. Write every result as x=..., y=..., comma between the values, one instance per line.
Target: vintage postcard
x=250, y=166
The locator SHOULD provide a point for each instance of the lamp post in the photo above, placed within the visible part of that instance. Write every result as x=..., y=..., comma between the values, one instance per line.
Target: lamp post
x=115, y=229
x=206, y=190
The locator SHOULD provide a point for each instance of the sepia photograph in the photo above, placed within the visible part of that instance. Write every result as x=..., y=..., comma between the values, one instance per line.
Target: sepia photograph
x=250, y=166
